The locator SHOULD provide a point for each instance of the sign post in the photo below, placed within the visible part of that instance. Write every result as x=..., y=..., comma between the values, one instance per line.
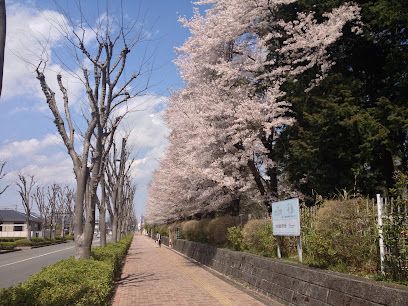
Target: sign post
x=380, y=231
x=286, y=221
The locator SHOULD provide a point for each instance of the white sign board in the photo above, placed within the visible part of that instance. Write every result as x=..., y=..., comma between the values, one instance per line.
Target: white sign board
x=286, y=218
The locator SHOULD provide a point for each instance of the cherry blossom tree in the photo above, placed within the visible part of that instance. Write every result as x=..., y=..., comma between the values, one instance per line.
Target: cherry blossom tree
x=228, y=117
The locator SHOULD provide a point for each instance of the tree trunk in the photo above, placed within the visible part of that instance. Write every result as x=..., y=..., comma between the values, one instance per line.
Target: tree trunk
x=114, y=222
x=2, y=39
x=89, y=228
x=28, y=228
x=71, y=225
x=102, y=212
x=43, y=228
x=102, y=225
x=53, y=227
x=80, y=250
x=63, y=225
x=119, y=229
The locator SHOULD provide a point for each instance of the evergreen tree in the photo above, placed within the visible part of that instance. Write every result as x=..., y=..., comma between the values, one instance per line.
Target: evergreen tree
x=351, y=131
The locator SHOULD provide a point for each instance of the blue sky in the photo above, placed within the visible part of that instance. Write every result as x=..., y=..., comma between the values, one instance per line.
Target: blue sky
x=28, y=139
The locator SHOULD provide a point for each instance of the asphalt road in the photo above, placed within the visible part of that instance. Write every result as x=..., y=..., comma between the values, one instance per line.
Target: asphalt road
x=16, y=267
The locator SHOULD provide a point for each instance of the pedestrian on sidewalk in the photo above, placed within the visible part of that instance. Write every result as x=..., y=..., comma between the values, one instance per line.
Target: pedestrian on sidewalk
x=158, y=239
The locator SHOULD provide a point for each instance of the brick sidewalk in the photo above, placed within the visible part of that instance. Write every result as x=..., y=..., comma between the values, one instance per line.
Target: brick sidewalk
x=159, y=276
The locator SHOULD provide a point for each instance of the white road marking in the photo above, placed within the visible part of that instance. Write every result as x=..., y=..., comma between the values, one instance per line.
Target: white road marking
x=13, y=263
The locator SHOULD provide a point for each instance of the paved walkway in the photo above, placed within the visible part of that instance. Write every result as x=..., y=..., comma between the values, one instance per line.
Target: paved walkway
x=160, y=276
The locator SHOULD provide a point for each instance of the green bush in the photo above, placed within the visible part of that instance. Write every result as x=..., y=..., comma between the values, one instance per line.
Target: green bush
x=343, y=237
x=196, y=230
x=71, y=281
x=257, y=237
x=235, y=237
x=33, y=242
x=37, y=239
x=9, y=239
x=69, y=237
x=113, y=252
x=217, y=229
x=89, y=283
x=23, y=242
x=7, y=245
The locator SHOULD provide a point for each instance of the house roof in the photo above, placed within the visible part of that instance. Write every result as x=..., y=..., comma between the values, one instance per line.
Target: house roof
x=8, y=215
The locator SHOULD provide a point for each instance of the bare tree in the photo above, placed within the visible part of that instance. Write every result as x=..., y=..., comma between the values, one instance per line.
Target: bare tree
x=102, y=211
x=25, y=185
x=116, y=178
x=106, y=87
x=70, y=213
x=52, y=197
x=128, y=214
x=43, y=208
x=2, y=39
x=65, y=199
x=2, y=175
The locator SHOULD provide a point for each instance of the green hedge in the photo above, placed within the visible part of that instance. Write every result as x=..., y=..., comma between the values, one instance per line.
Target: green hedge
x=71, y=281
x=36, y=242
x=7, y=245
x=113, y=252
x=9, y=239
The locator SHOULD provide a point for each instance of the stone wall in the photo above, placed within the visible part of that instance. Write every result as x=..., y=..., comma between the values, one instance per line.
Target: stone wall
x=290, y=283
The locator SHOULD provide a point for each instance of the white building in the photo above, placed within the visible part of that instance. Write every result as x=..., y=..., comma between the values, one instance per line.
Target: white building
x=13, y=224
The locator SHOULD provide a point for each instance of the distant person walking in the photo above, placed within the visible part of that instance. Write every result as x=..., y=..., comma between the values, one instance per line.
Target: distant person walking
x=158, y=239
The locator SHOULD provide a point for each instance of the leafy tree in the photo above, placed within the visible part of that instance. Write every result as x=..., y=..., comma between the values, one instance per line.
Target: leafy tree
x=352, y=130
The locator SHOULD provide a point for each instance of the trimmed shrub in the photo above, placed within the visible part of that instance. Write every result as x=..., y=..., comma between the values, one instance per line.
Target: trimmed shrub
x=71, y=281
x=89, y=283
x=68, y=282
x=343, y=237
x=7, y=245
x=217, y=229
x=9, y=239
x=196, y=230
x=113, y=252
x=23, y=242
x=257, y=237
x=37, y=239
x=69, y=237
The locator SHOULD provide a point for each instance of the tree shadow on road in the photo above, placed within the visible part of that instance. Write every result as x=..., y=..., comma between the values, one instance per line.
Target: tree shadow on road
x=131, y=280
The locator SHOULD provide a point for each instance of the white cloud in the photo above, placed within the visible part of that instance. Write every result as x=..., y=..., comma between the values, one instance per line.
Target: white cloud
x=28, y=147
x=49, y=169
x=148, y=138
x=143, y=121
x=32, y=36
x=147, y=132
